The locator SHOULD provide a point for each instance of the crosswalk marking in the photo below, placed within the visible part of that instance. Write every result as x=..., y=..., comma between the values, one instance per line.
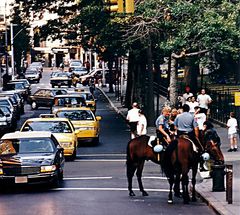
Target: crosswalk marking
x=105, y=189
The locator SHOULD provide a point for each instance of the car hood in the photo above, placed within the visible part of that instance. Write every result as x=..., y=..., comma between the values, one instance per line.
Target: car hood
x=64, y=137
x=33, y=159
x=78, y=123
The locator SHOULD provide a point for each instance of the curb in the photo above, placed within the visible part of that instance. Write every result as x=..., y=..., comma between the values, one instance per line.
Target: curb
x=111, y=103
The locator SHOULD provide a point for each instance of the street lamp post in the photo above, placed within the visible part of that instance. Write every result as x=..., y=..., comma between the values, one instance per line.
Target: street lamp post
x=12, y=52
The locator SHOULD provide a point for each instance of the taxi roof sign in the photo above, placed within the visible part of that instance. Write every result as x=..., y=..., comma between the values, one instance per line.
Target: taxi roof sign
x=47, y=116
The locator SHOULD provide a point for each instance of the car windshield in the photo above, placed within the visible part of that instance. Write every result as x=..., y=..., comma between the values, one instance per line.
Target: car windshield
x=19, y=86
x=76, y=114
x=69, y=101
x=4, y=102
x=26, y=145
x=5, y=109
x=61, y=74
x=52, y=126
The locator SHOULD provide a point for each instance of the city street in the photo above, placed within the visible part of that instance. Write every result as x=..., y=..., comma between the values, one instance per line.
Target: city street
x=96, y=183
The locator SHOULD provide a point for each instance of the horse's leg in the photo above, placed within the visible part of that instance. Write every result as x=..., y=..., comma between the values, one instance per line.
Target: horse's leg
x=194, y=173
x=139, y=177
x=131, y=168
x=176, y=188
x=186, y=197
x=171, y=182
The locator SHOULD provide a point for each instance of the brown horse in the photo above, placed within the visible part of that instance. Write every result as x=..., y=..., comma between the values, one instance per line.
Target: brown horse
x=175, y=161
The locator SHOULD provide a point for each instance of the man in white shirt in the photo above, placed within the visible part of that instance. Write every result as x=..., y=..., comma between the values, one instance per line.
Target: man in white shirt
x=133, y=118
x=204, y=100
x=142, y=124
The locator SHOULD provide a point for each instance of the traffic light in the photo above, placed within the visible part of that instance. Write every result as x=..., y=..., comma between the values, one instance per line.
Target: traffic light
x=116, y=6
x=129, y=6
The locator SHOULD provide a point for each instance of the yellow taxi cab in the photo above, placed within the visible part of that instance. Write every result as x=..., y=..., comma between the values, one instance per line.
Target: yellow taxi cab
x=62, y=128
x=84, y=121
x=89, y=98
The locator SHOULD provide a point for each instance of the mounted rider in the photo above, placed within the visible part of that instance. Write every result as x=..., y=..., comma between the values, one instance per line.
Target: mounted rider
x=185, y=124
x=162, y=126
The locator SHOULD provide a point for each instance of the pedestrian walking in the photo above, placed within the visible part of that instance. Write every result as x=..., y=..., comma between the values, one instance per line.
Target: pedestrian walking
x=200, y=118
x=133, y=118
x=204, y=100
x=142, y=124
x=186, y=95
x=232, y=132
x=192, y=104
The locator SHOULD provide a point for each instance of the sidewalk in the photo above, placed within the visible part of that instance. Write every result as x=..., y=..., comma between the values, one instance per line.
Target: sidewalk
x=215, y=200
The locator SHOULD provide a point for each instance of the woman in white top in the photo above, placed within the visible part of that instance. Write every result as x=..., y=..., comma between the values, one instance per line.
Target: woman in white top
x=192, y=104
x=132, y=119
x=142, y=124
x=232, y=132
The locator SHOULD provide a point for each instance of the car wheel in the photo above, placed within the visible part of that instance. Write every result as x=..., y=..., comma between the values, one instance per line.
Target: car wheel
x=74, y=155
x=96, y=140
x=34, y=105
x=57, y=180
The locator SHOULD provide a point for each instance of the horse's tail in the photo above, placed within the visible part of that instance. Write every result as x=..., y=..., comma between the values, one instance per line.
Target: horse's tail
x=167, y=164
x=128, y=152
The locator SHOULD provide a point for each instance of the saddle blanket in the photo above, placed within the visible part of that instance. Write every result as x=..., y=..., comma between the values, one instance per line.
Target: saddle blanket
x=152, y=138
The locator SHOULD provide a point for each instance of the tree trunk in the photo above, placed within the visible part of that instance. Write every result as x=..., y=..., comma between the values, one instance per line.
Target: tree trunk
x=130, y=76
x=149, y=94
x=173, y=94
x=110, y=66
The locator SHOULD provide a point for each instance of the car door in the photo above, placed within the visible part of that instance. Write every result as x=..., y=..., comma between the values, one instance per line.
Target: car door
x=40, y=98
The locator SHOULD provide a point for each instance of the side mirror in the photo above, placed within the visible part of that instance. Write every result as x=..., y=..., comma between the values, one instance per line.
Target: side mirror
x=26, y=128
x=98, y=118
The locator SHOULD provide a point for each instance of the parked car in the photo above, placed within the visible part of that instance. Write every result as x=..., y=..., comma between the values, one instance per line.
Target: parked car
x=30, y=158
x=33, y=75
x=6, y=101
x=26, y=83
x=44, y=97
x=69, y=100
x=4, y=126
x=18, y=87
x=11, y=120
x=15, y=103
x=61, y=79
x=18, y=96
x=62, y=128
x=84, y=121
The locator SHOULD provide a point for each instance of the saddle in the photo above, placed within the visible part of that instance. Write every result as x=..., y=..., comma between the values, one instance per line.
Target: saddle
x=195, y=148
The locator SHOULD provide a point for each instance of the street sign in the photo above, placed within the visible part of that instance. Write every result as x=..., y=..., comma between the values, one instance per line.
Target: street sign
x=237, y=98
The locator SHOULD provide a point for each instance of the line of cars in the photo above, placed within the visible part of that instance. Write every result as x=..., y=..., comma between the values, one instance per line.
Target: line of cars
x=12, y=99
x=37, y=152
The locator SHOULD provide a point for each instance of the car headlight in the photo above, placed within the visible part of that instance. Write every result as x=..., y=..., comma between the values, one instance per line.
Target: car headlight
x=1, y=171
x=66, y=144
x=3, y=123
x=48, y=168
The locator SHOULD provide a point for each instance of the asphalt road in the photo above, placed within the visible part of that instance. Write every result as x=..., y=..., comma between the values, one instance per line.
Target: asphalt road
x=95, y=183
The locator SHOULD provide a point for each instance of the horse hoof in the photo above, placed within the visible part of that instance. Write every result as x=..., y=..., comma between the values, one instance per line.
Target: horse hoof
x=170, y=201
x=178, y=195
x=144, y=193
x=131, y=193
